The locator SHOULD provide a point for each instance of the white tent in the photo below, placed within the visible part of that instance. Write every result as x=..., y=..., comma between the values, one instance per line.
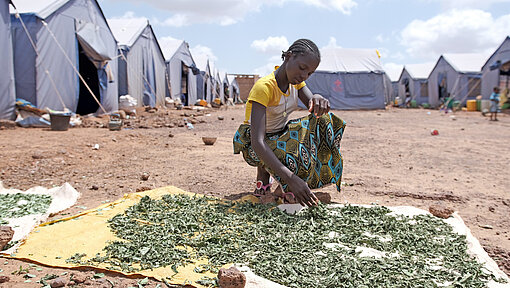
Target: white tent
x=7, y=94
x=351, y=79
x=455, y=76
x=141, y=62
x=496, y=71
x=413, y=80
x=181, y=69
x=76, y=39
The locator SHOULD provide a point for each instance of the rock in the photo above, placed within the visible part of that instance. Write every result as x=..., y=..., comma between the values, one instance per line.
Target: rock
x=487, y=226
x=323, y=197
x=37, y=155
x=170, y=135
x=221, y=117
x=440, y=211
x=6, y=234
x=506, y=202
x=94, y=187
x=231, y=278
x=492, y=209
x=8, y=124
x=145, y=176
x=79, y=278
x=4, y=279
x=57, y=282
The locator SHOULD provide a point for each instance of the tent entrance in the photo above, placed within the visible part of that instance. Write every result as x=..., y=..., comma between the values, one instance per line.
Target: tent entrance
x=184, y=85
x=442, y=89
x=87, y=69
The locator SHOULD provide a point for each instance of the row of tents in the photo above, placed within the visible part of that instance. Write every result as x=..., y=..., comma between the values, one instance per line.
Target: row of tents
x=458, y=77
x=65, y=54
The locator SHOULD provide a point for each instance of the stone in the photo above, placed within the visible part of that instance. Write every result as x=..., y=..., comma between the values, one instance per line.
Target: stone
x=79, y=278
x=231, y=278
x=145, y=176
x=323, y=197
x=4, y=279
x=57, y=282
x=441, y=211
x=6, y=234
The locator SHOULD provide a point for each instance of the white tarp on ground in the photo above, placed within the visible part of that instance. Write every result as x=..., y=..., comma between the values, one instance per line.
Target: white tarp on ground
x=142, y=73
x=473, y=245
x=63, y=197
x=491, y=70
x=76, y=36
x=178, y=60
x=7, y=95
x=351, y=79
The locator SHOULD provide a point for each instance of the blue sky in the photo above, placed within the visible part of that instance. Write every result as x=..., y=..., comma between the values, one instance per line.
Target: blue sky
x=247, y=36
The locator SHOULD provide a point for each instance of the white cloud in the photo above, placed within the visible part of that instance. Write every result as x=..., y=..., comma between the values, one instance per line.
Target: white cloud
x=271, y=44
x=201, y=54
x=344, y=6
x=331, y=43
x=228, y=12
x=269, y=66
x=468, y=4
x=455, y=31
x=393, y=70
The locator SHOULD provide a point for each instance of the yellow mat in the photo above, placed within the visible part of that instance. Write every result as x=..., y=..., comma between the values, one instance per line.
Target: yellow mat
x=88, y=232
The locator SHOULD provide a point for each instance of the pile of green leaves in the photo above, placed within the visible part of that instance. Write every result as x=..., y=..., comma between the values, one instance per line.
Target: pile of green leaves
x=21, y=204
x=292, y=249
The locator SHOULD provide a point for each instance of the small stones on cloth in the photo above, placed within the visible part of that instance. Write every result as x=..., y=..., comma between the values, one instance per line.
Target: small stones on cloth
x=323, y=197
x=231, y=278
x=441, y=211
x=6, y=234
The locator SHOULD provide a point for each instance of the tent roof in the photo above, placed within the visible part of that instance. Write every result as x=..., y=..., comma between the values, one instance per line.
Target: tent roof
x=42, y=8
x=169, y=46
x=421, y=70
x=466, y=62
x=507, y=39
x=349, y=60
x=126, y=31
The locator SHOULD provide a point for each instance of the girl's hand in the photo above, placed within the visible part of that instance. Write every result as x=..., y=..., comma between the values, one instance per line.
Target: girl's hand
x=300, y=189
x=318, y=105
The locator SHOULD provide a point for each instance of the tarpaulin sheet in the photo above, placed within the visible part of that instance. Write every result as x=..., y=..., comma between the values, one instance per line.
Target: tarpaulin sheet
x=88, y=233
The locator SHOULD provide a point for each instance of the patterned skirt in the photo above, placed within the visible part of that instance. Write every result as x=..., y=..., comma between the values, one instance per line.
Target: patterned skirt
x=308, y=146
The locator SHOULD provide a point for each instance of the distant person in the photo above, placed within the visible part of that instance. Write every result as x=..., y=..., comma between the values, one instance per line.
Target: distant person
x=494, y=104
x=408, y=100
x=301, y=154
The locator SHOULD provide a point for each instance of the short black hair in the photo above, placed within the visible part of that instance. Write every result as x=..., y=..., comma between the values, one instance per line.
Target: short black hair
x=303, y=46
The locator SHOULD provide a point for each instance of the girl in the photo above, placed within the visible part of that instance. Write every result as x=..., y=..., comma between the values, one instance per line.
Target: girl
x=301, y=154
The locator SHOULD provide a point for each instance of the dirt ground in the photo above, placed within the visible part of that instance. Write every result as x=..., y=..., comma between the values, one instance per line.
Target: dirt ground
x=390, y=158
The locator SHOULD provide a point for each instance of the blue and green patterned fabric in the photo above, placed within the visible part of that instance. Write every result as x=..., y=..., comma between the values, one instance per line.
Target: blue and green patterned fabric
x=308, y=146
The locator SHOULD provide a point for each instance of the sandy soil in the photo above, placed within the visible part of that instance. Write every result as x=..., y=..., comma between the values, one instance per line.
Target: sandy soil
x=390, y=158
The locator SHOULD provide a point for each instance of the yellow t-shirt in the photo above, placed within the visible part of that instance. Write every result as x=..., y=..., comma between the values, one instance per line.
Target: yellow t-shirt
x=266, y=92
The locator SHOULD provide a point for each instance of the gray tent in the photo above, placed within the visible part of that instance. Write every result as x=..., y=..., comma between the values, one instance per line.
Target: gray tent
x=413, y=80
x=496, y=71
x=204, y=83
x=234, y=89
x=141, y=62
x=457, y=76
x=351, y=79
x=7, y=95
x=181, y=69
x=76, y=37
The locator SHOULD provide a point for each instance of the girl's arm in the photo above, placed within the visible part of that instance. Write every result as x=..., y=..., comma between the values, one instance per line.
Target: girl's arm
x=315, y=103
x=258, y=132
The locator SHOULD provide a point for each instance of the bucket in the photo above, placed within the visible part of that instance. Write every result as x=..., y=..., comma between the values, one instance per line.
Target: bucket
x=60, y=122
x=413, y=104
x=471, y=105
x=478, y=105
x=486, y=105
